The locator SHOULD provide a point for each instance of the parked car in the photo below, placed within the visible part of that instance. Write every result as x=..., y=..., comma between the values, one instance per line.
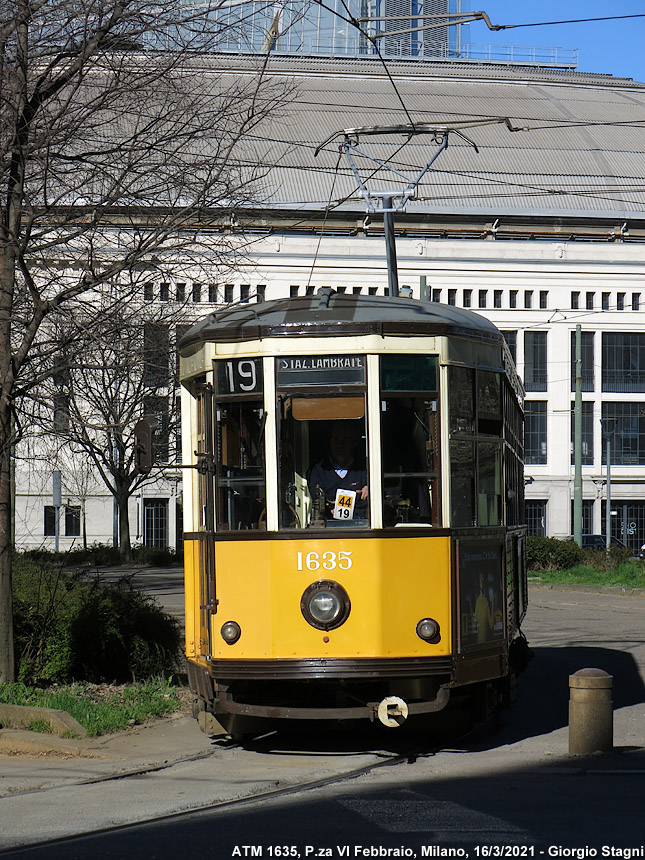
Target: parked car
x=600, y=542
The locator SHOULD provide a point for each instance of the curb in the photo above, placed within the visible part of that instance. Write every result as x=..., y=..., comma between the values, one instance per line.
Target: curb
x=619, y=590
x=61, y=723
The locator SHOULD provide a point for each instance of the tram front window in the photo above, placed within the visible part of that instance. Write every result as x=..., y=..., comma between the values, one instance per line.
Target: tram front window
x=323, y=463
x=240, y=466
x=239, y=445
x=410, y=440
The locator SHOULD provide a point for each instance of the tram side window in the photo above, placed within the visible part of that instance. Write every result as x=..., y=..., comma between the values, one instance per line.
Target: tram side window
x=323, y=462
x=410, y=440
x=239, y=446
x=475, y=447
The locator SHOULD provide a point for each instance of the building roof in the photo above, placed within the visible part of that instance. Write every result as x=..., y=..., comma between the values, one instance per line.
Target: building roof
x=551, y=142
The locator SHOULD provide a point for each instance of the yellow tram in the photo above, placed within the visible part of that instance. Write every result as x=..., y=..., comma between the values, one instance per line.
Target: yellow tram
x=353, y=533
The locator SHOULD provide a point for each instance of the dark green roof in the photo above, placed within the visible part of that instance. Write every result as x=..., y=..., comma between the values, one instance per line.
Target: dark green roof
x=336, y=314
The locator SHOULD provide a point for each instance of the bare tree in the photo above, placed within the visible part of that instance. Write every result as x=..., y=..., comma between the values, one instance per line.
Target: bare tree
x=115, y=141
x=114, y=362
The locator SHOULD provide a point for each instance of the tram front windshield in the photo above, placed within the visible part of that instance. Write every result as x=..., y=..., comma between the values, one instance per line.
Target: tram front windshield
x=323, y=442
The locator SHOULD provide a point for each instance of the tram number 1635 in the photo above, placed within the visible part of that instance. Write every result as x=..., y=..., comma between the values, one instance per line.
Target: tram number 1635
x=325, y=560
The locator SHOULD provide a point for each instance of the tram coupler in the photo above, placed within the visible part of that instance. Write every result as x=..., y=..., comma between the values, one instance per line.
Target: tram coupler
x=392, y=711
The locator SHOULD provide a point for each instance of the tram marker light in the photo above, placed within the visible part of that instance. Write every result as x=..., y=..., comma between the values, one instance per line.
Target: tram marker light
x=231, y=632
x=427, y=629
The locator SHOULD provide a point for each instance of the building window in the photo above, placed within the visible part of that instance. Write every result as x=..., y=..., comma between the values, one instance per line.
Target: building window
x=497, y=298
x=197, y=293
x=371, y=291
x=587, y=517
x=245, y=290
x=620, y=301
x=148, y=292
x=604, y=301
x=629, y=523
x=482, y=298
x=156, y=354
x=587, y=348
x=293, y=291
x=436, y=295
x=452, y=297
x=589, y=299
x=535, y=517
x=212, y=293
x=535, y=432
x=623, y=362
x=535, y=368
x=72, y=521
x=511, y=341
x=155, y=522
x=468, y=297
x=575, y=301
x=626, y=424
x=544, y=299
x=164, y=292
x=512, y=299
x=181, y=292
x=228, y=293
x=261, y=292
x=636, y=301
x=50, y=521
x=356, y=291
x=587, y=432
x=528, y=299
x=341, y=290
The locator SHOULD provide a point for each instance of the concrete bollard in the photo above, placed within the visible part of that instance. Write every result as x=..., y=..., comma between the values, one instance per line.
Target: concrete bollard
x=591, y=726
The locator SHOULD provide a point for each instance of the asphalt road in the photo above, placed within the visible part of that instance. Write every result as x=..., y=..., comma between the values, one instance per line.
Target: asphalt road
x=512, y=791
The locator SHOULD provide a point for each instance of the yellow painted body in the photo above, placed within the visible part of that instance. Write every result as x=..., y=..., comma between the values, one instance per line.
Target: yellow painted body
x=392, y=584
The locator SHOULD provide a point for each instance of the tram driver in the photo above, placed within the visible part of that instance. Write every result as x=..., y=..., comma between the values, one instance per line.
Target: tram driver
x=340, y=469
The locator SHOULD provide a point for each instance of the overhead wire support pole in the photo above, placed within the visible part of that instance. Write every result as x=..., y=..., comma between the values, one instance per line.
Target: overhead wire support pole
x=577, y=444
x=391, y=200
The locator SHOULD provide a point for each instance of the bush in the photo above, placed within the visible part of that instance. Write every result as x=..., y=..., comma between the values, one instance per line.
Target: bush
x=599, y=561
x=156, y=556
x=96, y=555
x=68, y=628
x=544, y=553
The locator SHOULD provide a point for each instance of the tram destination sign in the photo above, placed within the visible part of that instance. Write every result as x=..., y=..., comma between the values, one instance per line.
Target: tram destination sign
x=320, y=370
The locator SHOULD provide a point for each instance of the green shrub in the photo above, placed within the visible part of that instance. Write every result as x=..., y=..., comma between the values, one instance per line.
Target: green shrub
x=544, y=553
x=156, y=556
x=96, y=555
x=599, y=560
x=68, y=627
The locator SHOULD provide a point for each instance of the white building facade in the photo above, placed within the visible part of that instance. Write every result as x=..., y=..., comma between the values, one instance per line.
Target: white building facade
x=542, y=232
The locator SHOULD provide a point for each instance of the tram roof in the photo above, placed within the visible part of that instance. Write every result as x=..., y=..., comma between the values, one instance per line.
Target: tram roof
x=329, y=314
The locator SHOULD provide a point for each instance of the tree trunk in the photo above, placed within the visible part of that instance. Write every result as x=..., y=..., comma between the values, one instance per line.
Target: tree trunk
x=125, y=549
x=7, y=667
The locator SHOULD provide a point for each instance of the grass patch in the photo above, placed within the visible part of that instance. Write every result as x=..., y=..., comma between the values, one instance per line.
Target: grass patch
x=99, y=708
x=626, y=575
x=40, y=726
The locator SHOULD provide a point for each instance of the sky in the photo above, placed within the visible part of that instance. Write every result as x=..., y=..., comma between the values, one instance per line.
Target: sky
x=607, y=47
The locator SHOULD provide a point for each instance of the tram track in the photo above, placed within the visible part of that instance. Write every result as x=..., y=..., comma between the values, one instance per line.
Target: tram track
x=409, y=756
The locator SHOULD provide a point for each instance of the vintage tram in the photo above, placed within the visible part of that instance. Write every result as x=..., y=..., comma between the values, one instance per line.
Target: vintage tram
x=353, y=517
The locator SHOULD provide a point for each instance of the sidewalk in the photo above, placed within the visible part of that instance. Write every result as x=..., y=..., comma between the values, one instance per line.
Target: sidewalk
x=31, y=761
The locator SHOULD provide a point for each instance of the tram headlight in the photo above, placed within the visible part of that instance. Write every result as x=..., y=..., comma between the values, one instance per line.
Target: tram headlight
x=325, y=605
x=427, y=629
x=231, y=632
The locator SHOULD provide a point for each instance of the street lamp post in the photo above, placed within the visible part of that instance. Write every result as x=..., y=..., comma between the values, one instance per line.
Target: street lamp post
x=608, y=430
